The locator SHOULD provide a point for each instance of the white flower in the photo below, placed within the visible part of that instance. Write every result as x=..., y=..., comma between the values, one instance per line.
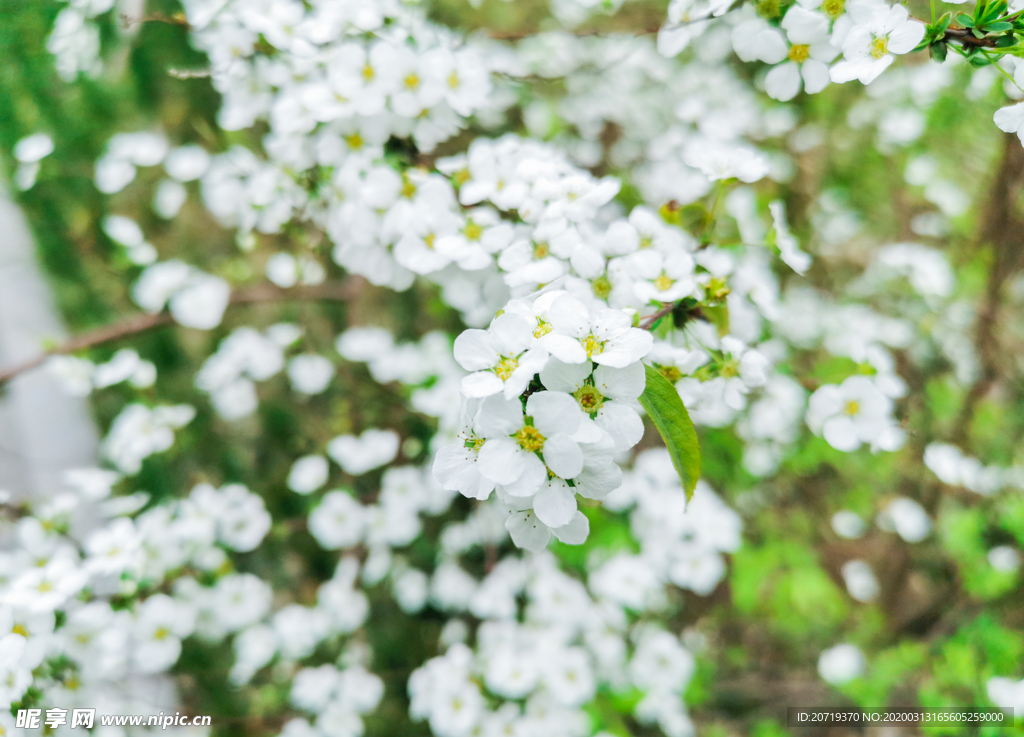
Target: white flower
x=201, y=302
x=841, y=664
x=788, y=246
x=1004, y=558
x=157, y=631
x=308, y=474
x=501, y=357
x=15, y=675
x=755, y=40
x=241, y=600
x=510, y=454
x=47, y=588
x=810, y=50
x=869, y=46
x=860, y=580
x=908, y=519
x=115, y=548
x=848, y=524
x=607, y=336
x=850, y=414
x=338, y=521
x=530, y=533
x=373, y=449
x=310, y=374
x=606, y=394
x=1007, y=694
x=1011, y=119
x=33, y=148
x=727, y=161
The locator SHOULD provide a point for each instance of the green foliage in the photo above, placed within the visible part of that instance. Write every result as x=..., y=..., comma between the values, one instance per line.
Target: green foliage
x=663, y=405
x=782, y=582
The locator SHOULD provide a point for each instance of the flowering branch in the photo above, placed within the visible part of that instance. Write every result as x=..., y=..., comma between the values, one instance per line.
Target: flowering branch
x=337, y=291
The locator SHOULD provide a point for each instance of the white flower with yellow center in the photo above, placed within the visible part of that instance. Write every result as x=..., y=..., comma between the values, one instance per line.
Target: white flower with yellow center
x=851, y=413
x=522, y=453
x=501, y=358
x=869, y=47
x=607, y=336
x=157, y=632
x=605, y=394
x=810, y=50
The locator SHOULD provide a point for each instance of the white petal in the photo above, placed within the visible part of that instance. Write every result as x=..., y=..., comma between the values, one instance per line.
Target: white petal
x=621, y=422
x=527, y=531
x=574, y=533
x=475, y=351
x=510, y=334
x=626, y=349
x=501, y=460
x=621, y=383
x=783, y=81
x=770, y=46
x=597, y=481
x=841, y=433
x=563, y=456
x=815, y=74
x=564, y=348
x=554, y=412
x=905, y=36
x=569, y=316
x=804, y=26
x=498, y=416
x=555, y=503
x=534, y=474
x=558, y=376
x=1010, y=119
x=481, y=384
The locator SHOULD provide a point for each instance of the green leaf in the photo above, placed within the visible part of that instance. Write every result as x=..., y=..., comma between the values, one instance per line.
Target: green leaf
x=965, y=20
x=663, y=405
x=998, y=26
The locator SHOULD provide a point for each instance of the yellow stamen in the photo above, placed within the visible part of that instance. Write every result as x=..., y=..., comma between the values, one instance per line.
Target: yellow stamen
x=530, y=439
x=590, y=398
x=880, y=47
x=592, y=345
x=663, y=283
x=671, y=373
x=505, y=367
x=799, y=53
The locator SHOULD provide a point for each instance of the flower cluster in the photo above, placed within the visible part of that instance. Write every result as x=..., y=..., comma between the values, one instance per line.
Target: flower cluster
x=549, y=401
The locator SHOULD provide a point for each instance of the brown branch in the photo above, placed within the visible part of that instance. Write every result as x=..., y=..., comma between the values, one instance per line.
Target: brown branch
x=1003, y=228
x=342, y=291
x=651, y=319
x=964, y=37
x=520, y=35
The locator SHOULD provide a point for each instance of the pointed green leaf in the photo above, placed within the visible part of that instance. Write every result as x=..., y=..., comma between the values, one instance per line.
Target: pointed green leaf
x=663, y=405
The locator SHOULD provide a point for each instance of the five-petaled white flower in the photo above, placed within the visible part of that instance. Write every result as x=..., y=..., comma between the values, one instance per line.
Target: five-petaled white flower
x=869, y=47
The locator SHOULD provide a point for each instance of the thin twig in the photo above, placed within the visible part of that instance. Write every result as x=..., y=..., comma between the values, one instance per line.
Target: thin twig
x=650, y=320
x=520, y=35
x=341, y=291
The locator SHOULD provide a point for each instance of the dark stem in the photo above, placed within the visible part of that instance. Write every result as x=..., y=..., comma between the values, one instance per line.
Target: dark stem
x=342, y=291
